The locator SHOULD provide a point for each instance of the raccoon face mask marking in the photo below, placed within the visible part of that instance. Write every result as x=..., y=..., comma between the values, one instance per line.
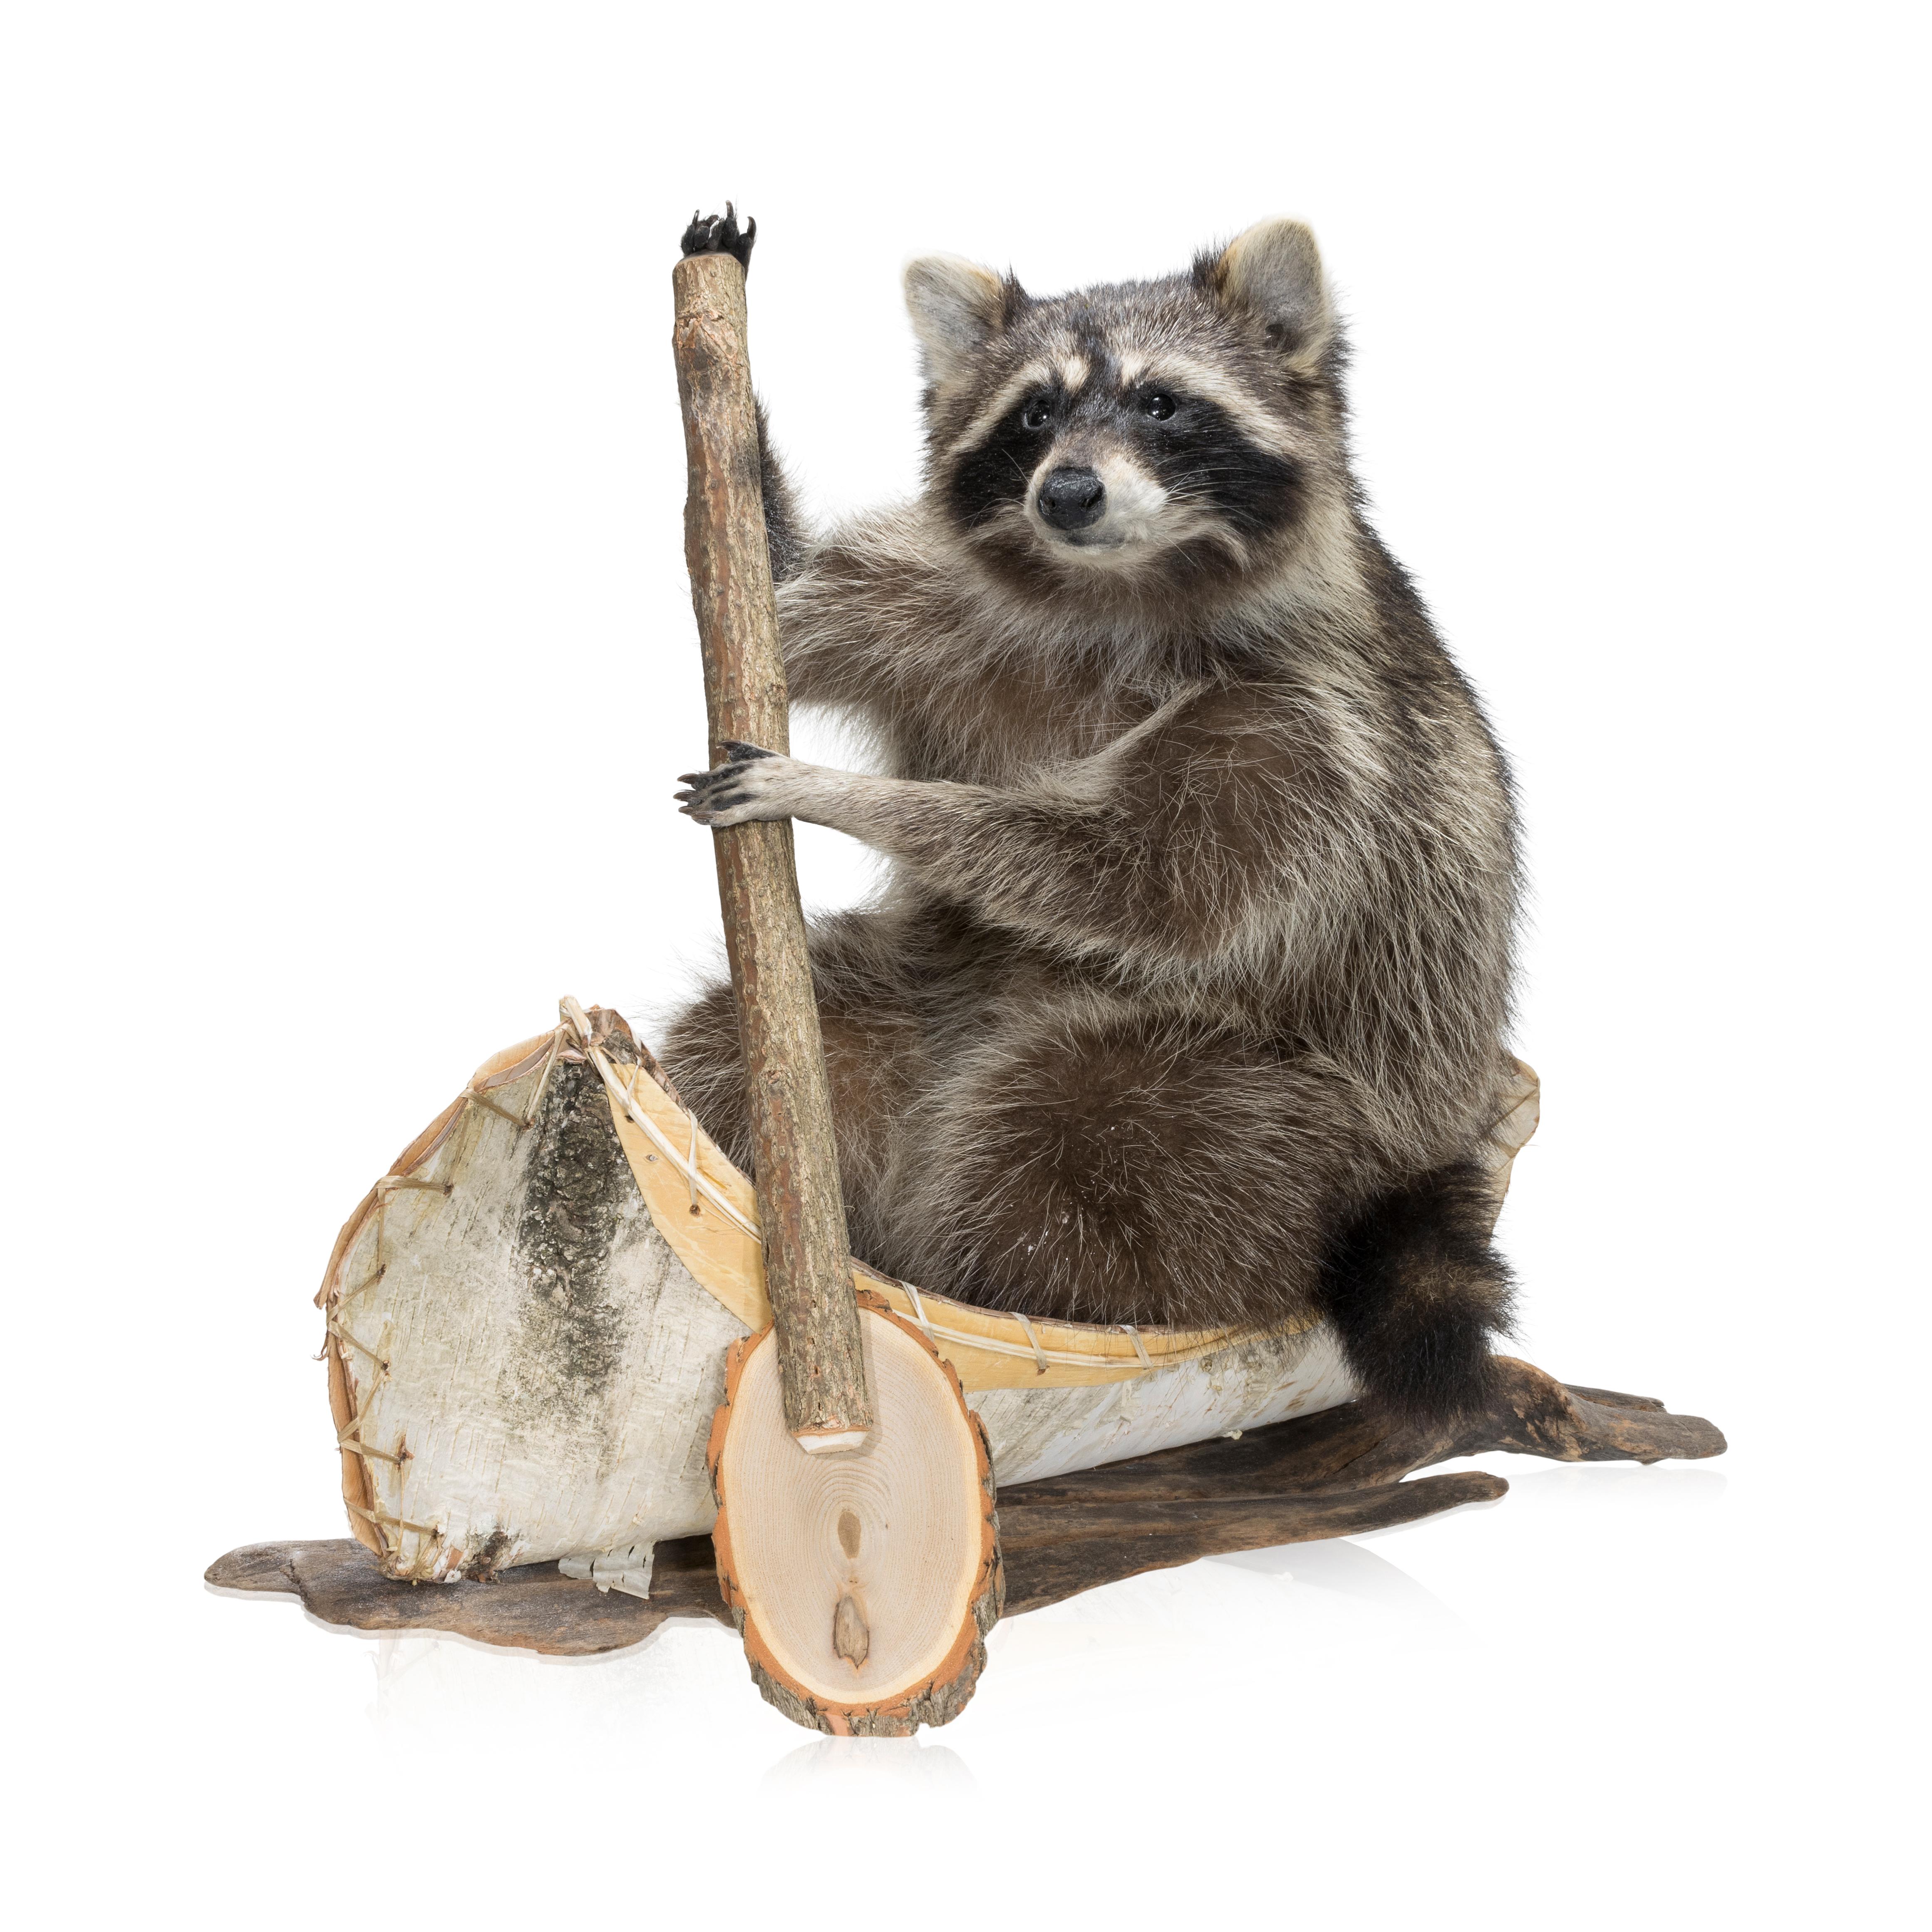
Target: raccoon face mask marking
x=1168, y=434
x=1120, y=475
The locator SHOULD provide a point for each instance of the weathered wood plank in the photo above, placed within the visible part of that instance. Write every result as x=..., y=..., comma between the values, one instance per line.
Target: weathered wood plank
x=1082, y=1547
x=533, y=1607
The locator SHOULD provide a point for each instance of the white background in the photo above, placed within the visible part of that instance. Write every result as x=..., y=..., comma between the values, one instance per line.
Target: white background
x=349, y=660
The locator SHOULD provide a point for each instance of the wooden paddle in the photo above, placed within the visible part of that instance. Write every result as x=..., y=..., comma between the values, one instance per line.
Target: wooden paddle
x=863, y=1581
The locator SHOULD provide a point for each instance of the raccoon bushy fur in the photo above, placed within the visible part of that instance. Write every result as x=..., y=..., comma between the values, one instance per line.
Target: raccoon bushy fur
x=1186, y=999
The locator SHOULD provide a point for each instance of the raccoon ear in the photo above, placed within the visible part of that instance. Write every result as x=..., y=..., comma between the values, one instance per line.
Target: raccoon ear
x=1274, y=271
x=957, y=308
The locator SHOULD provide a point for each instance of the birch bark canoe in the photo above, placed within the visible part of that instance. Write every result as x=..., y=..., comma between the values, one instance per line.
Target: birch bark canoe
x=528, y=1318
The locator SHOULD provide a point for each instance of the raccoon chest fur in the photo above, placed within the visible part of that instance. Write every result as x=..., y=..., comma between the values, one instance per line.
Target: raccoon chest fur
x=1007, y=728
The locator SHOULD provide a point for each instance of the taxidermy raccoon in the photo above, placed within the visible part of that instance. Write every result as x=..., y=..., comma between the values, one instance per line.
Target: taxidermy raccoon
x=1185, y=1002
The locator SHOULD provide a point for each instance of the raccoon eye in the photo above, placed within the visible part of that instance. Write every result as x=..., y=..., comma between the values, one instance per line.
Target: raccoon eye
x=1157, y=403
x=1036, y=415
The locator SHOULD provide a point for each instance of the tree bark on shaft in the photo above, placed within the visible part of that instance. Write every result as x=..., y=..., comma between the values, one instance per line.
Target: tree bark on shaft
x=802, y=1213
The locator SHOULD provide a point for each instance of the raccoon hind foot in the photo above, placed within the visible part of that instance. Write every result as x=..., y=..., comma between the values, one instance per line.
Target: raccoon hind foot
x=720, y=235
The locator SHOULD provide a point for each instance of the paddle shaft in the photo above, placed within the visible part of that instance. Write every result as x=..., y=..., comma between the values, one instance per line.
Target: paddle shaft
x=801, y=1212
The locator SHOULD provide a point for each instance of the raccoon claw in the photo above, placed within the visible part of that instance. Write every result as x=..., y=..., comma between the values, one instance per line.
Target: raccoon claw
x=735, y=753
x=720, y=235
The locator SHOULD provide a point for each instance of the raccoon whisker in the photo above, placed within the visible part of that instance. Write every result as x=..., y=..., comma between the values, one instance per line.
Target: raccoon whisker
x=998, y=512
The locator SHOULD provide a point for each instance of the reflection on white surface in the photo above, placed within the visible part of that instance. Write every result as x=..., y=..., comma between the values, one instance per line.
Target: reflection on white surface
x=1337, y=1598
x=1342, y=1625
x=1347, y=1570
x=438, y=1685
x=1586, y=1685
x=1621, y=1486
x=854, y=1770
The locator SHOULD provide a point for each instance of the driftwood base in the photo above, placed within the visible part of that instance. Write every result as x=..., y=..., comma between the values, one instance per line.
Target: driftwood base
x=1336, y=1474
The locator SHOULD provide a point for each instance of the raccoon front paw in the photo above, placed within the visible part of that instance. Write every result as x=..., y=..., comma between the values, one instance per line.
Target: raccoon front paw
x=720, y=235
x=752, y=784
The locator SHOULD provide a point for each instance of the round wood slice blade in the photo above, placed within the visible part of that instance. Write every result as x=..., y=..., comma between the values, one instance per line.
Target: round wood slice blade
x=863, y=1583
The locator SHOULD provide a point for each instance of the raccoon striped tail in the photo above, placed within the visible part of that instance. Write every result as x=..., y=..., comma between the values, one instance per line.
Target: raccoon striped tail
x=1416, y=1291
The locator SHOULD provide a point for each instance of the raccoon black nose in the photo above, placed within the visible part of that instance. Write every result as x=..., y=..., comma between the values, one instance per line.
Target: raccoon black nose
x=1070, y=499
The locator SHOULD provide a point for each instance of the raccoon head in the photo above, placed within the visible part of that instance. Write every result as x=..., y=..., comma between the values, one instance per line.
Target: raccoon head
x=1175, y=434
